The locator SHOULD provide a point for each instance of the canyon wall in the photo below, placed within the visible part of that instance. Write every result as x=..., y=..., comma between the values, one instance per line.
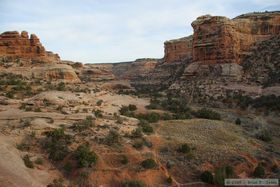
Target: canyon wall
x=217, y=39
x=178, y=50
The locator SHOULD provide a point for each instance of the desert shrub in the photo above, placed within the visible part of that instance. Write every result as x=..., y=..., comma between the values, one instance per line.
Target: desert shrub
x=98, y=113
x=229, y=171
x=149, y=163
x=83, y=124
x=61, y=86
x=99, y=102
x=166, y=116
x=264, y=135
x=112, y=138
x=124, y=110
x=150, y=117
x=207, y=114
x=238, y=121
x=132, y=107
x=134, y=184
x=259, y=171
x=137, y=133
x=207, y=177
x=138, y=144
x=56, y=183
x=169, y=180
x=275, y=168
x=222, y=173
x=68, y=167
x=56, y=144
x=146, y=127
x=85, y=156
x=124, y=159
x=28, y=163
x=184, y=148
x=39, y=161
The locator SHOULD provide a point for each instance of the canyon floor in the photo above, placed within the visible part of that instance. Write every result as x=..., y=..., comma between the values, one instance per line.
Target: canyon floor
x=120, y=144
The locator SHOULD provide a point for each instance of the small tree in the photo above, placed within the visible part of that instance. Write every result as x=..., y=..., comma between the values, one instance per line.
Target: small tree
x=238, y=121
x=207, y=177
x=184, y=148
x=85, y=156
x=259, y=171
x=149, y=163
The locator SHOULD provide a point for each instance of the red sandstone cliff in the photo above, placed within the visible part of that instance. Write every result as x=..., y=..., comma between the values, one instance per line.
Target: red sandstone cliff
x=178, y=50
x=15, y=45
x=218, y=39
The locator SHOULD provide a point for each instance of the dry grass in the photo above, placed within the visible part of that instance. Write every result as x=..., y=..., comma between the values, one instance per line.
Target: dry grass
x=213, y=140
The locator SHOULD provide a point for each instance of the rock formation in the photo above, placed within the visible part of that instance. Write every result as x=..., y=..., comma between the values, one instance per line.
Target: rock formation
x=15, y=45
x=218, y=39
x=24, y=55
x=178, y=50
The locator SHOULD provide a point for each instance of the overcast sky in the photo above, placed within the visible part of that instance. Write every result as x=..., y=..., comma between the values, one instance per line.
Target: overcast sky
x=114, y=30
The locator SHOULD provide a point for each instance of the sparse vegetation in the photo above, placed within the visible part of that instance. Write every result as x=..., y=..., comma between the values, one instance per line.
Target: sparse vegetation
x=184, y=148
x=149, y=163
x=83, y=124
x=113, y=138
x=28, y=163
x=259, y=171
x=134, y=184
x=56, y=144
x=85, y=157
x=207, y=114
x=238, y=121
x=264, y=135
x=207, y=177
x=39, y=161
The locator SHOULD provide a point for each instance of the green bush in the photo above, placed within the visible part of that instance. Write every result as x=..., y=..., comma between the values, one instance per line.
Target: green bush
x=137, y=133
x=238, y=121
x=125, y=110
x=149, y=163
x=28, y=163
x=169, y=180
x=39, y=161
x=207, y=177
x=124, y=159
x=83, y=124
x=56, y=144
x=112, y=138
x=138, y=144
x=259, y=171
x=207, y=114
x=150, y=117
x=146, y=127
x=134, y=184
x=99, y=102
x=184, y=148
x=132, y=107
x=68, y=167
x=56, y=183
x=264, y=135
x=85, y=156
x=98, y=113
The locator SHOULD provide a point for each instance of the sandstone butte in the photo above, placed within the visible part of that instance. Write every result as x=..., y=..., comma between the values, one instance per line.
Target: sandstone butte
x=218, y=39
x=13, y=44
x=35, y=61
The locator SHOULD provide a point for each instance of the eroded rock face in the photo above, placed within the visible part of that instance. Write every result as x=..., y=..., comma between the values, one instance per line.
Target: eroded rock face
x=218, y=39
x=15, y=45
x=178, y=50
x=24, y=55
